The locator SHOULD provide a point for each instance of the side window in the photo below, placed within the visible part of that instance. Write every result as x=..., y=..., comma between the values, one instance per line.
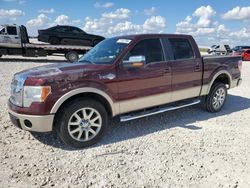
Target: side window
x=11, y=30
x=75, y=30
x=181, y=48
x=248, y=51
x=62, y=29
x=150, y=48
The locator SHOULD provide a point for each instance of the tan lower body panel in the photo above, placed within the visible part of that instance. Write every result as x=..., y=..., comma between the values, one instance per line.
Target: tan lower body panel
x=159, y=99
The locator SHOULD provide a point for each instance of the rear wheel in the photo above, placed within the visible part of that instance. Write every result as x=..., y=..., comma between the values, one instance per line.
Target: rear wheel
x=54, y=40
x=72, y=56
x=82, y=123
x=216, y=98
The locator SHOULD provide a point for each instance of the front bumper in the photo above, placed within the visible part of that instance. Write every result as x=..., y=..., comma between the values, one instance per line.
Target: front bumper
x=43, y=123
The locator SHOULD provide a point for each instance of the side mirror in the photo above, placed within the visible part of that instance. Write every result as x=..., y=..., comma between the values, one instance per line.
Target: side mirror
x=135, y=62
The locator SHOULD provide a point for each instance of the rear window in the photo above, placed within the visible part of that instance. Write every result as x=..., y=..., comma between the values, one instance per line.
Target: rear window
x=181, y=48
x=11, y=30
x=75, y=30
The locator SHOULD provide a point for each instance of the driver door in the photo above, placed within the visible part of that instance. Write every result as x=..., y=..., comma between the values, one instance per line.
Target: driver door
x=12, y=35
x=146, y=86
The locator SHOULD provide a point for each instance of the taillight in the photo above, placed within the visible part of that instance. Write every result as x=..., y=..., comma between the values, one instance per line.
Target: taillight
x=240, y=64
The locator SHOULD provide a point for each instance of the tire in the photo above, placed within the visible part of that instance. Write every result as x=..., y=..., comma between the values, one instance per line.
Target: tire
x=72, y=56
x=69, y=129
x=54, y=41
x=216, y=98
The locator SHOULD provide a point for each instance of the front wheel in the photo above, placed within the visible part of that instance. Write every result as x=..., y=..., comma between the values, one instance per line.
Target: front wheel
x=216, y=98
x=82, y=123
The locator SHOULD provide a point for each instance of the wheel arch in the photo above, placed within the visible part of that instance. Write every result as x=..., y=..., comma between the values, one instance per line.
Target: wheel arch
x=221, y=76
x=87, y=92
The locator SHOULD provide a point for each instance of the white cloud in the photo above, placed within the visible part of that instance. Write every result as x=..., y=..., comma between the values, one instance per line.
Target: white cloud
x=39, y=22
x=185, y=26
x=119, y=22
x=202, y=26
x=207, y=31
x=104, y=5
x=204, y=14
x=150, y=11
x=121, y=13
x=124, y=28
x=47, y=11
x=237, y=13
x=154, y=24
x=76, y=21
x=10, y=14
x=62, y=20
x=244, y=33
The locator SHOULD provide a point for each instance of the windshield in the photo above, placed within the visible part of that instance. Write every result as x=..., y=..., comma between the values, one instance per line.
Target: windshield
x=105, y=52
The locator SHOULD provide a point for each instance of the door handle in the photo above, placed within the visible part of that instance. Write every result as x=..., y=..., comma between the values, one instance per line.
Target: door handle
x=167, y=70
x=197, y=67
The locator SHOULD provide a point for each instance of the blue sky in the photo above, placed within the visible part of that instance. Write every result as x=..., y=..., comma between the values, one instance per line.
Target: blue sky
x=208, y=21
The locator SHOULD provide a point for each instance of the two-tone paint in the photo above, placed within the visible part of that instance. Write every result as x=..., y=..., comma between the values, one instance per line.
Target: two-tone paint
x=124, y=90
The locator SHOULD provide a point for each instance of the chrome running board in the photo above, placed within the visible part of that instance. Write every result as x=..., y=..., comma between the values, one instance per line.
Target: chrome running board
x=157, y=110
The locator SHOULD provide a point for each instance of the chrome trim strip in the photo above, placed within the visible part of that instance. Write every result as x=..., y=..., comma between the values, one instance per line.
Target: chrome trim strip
x=161, y=110
x=42, y=123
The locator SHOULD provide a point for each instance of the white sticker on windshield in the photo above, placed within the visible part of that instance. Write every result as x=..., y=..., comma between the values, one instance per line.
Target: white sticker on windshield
x=124, y=41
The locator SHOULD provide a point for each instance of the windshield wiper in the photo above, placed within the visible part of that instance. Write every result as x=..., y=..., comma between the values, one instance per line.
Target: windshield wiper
x=86, y=61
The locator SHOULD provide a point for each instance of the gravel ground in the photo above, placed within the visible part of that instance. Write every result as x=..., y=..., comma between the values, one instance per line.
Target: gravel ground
x=184, y=148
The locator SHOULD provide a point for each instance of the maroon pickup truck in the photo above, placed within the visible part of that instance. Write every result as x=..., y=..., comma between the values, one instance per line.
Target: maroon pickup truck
x=130, y=76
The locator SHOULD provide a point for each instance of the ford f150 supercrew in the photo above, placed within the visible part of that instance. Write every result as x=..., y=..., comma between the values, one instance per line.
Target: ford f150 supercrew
x=131, y=76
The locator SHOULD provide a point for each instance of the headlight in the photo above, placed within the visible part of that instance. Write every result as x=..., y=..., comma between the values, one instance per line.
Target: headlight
x=17, y=89
x=35, y=94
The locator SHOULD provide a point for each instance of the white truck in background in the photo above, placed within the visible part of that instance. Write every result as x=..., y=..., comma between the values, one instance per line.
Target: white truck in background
x=221, y=49
x=14, y=40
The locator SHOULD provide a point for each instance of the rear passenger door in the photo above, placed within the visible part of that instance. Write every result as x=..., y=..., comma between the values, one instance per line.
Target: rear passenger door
x=186, y=69
x=62, y=31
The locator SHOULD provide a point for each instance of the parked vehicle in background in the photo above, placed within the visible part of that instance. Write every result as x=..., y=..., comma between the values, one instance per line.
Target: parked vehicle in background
x=246, y=55
x=14, y=40
x=131, y=76
x=238, y=50
x=221, y=49
x=68, y=35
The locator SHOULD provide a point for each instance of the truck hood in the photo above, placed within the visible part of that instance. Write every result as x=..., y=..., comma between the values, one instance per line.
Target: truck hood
x=59, y=69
